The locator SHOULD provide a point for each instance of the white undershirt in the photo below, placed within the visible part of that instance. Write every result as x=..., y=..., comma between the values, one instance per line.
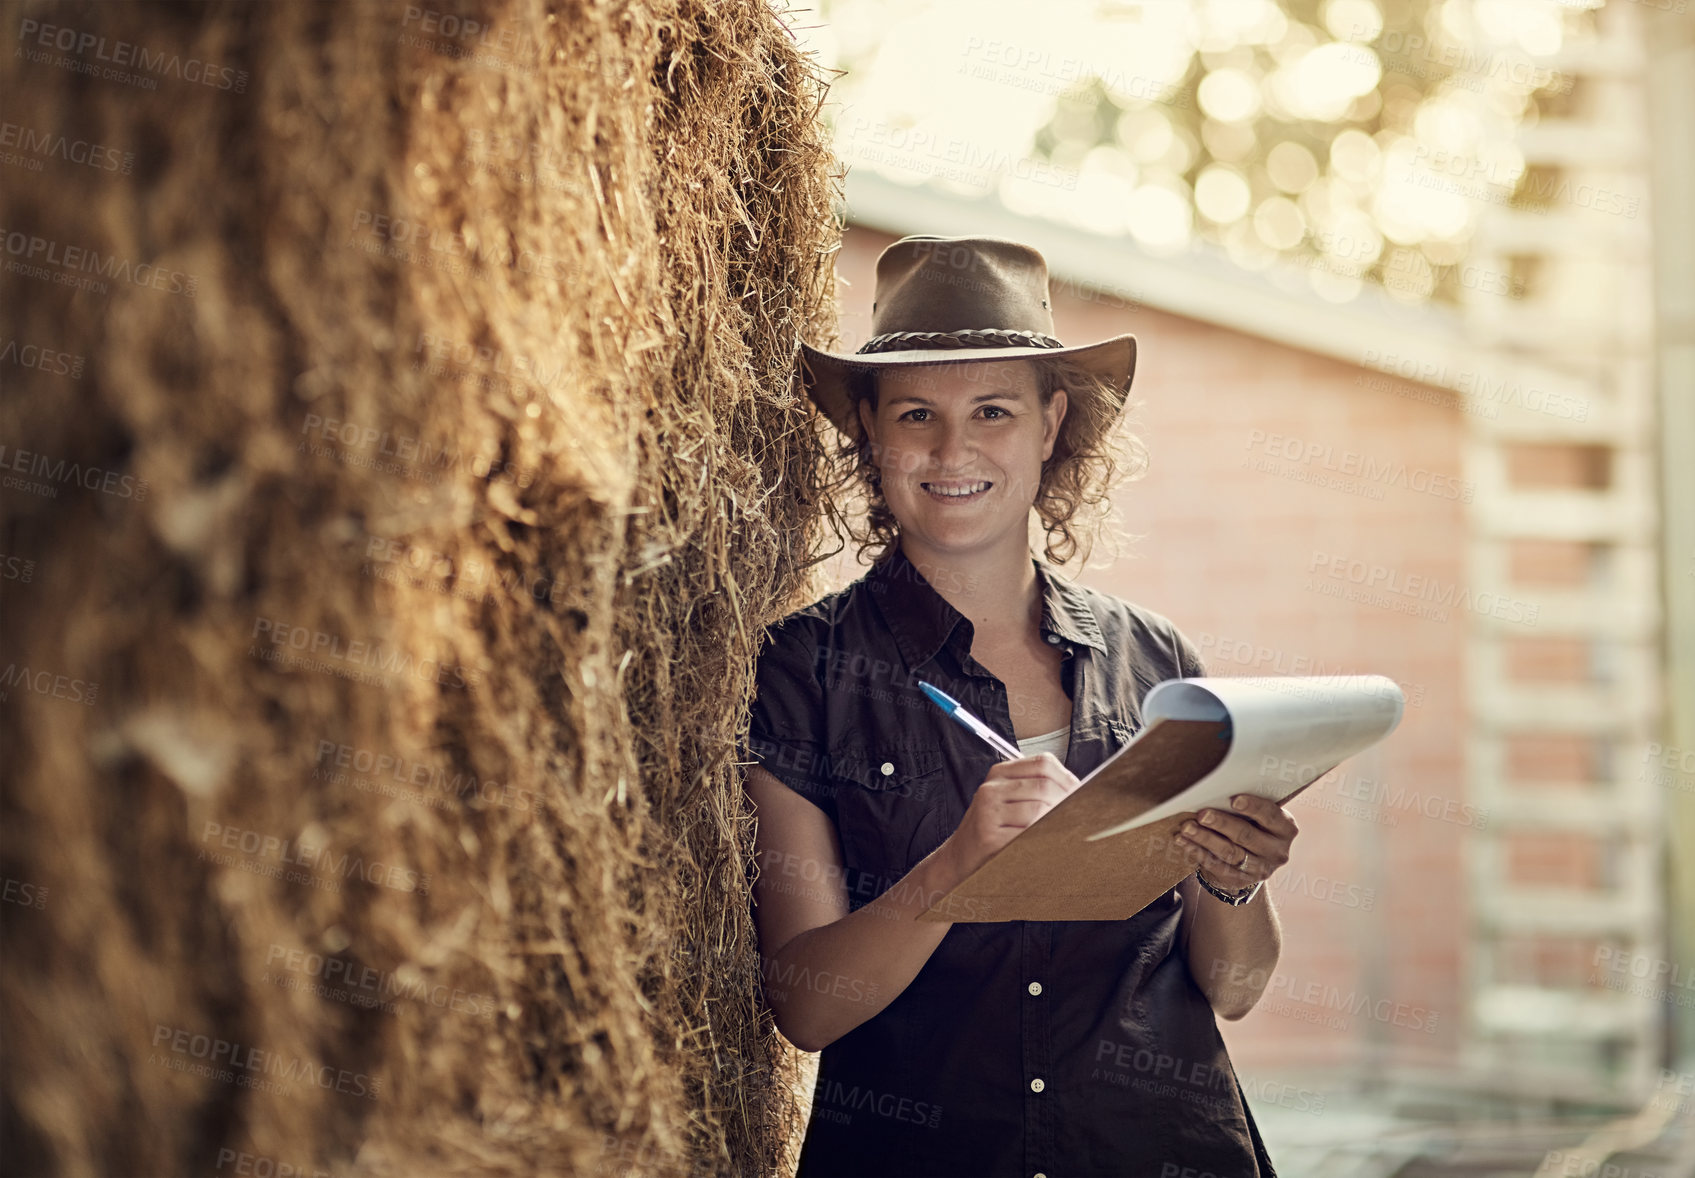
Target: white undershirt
x=1057, y=742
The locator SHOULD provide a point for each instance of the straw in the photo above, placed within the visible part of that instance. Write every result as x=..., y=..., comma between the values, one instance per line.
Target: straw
x=637, y=279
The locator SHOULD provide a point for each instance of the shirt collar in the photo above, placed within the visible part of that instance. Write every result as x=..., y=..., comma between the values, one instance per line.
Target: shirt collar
x=1066, y=611
x=922, y=621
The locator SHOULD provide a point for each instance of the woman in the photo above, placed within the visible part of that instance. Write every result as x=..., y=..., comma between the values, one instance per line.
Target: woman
x=977, y=1048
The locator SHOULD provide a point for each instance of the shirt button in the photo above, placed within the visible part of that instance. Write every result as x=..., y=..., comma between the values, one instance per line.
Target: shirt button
x=1035, y=988
x=888, y=768
x=1037, y=1084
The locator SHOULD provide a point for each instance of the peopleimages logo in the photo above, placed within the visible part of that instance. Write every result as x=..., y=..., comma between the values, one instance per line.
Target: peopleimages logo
x=472, y=41
x=374, y=772
x=367, y=987
x=1324, y=1004
x=1035, y=67
x=258, y=1165
x=1377, y=794
x=44, y=682
x=945, y=156
x=25, y=895
x=273, y=640
x=836, y=1101
x=1219, y=650
x=1324, y=457
x=43, y=360
x=1324, y=889
x=52, y=144
x=782, y=980
x=418, y=242
x=1376, y=584
x=223, y=1059
x=372, y=446
x=1659, y=978
x=128, y=54
x=436, y=354
x=456, y=575
x=16, y=568
x=1415, y=51
x=320, y=865
x=65, y=472
x=1669, y=767
x=1479, y=388
x=34, y=256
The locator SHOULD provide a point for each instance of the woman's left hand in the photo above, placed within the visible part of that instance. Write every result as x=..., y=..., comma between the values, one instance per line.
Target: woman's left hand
x=1242, y=846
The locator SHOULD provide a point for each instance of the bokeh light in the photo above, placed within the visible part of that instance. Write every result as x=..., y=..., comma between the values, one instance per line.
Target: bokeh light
x=1221, y=194
x=1266, y=131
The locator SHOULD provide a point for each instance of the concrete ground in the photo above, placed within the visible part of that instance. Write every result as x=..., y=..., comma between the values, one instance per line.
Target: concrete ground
x=1426, y=1130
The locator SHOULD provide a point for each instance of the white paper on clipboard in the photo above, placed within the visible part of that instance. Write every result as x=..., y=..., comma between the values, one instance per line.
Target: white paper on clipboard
x=1285, y=732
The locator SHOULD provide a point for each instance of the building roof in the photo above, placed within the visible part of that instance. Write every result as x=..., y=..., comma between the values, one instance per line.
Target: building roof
x=1426, y=344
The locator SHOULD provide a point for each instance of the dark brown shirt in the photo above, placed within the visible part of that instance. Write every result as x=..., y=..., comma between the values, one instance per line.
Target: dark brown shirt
x=1022, y=1048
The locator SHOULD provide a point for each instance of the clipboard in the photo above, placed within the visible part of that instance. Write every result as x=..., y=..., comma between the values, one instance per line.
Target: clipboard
x=1092, y=858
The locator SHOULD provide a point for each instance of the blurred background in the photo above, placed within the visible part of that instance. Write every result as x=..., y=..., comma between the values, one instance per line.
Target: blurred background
x=1414, y=287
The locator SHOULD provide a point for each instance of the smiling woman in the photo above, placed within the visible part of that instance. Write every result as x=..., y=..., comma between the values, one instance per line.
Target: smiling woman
x=981, y=1046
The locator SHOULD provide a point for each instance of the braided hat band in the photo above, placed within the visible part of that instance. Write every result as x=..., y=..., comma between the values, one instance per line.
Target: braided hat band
x=980, y=337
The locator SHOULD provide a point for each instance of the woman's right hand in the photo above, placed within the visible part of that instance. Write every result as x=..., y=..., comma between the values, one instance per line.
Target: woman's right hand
x=1011, y=797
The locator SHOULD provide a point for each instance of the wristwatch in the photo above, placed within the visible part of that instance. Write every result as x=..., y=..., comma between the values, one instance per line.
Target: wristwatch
x=1234, y=899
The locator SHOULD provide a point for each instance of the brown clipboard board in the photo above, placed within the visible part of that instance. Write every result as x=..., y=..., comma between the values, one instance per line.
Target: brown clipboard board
x=1052, y=872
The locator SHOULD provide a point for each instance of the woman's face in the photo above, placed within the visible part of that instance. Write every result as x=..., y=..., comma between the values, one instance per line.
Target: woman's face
x=960, y=448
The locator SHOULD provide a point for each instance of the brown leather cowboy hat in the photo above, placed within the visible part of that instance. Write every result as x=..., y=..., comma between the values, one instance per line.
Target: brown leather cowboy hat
x=940, y=300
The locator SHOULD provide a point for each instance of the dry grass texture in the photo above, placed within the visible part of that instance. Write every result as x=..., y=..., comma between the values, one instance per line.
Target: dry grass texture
x=436, y=707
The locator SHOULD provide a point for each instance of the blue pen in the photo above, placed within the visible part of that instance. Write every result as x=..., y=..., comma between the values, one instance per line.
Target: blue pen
x=992, y=738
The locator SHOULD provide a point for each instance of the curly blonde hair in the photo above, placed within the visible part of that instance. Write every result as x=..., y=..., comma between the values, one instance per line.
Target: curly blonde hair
x=1073, y=498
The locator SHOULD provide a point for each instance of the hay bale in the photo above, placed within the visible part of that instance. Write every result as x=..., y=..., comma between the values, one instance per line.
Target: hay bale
x=415, y=514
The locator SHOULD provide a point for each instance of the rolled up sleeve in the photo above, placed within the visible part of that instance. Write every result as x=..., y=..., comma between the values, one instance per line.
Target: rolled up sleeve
x=786, y=724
